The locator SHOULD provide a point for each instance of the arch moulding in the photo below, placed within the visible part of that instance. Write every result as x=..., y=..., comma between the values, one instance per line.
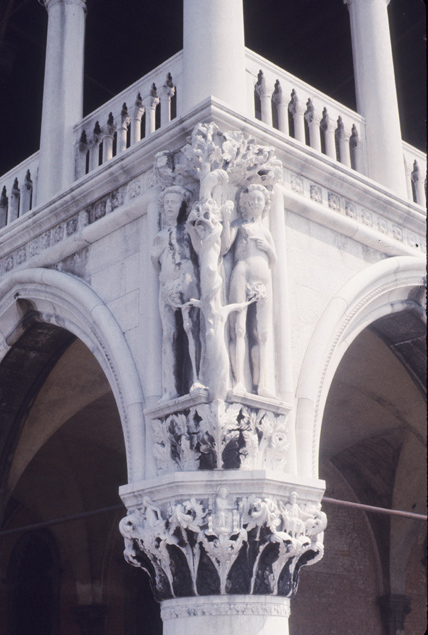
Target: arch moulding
x=63, y=300
x=389, y=286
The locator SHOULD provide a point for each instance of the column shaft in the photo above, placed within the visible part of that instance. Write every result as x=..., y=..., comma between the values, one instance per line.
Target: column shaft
x=62, y=95
x=376, y=92
x=214, y=54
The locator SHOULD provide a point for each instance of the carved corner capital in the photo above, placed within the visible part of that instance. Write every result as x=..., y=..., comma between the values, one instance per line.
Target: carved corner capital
x=228, y=544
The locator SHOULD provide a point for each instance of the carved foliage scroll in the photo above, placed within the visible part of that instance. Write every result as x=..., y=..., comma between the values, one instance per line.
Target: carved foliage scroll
x=218, y=435
x=248, y=545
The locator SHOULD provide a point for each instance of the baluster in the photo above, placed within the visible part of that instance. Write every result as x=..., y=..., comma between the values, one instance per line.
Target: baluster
x=265, y=94
x=150, y=104
x=280, y=102
x=313, y=119
x=94, y=160
x=14, y=202
x=27, y=190
x=343, y=137
x=123, y=129
x=166, y=93
x=419, y=184
x=409, y=183
x=137, y=114
x=108, y=138
x=327, y=127
x=82, y=147
x=297, y=111
x=3, y=207
x=355, y=150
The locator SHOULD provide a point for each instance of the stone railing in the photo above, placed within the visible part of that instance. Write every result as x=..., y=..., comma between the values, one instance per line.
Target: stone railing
x=304, y=113
x=415, y=163
x=18, y=190
x=134, y=114
x=275, y=97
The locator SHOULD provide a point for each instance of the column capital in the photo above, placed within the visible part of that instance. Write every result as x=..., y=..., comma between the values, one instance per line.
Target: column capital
x=48, y=4
x=190, y=546
x=349, y=2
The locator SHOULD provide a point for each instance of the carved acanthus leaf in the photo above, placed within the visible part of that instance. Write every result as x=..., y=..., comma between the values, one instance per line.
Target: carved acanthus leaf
x=267, y=535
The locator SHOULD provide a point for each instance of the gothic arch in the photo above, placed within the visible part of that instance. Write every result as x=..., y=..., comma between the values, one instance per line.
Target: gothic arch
x=63, y=300
x=389, y=286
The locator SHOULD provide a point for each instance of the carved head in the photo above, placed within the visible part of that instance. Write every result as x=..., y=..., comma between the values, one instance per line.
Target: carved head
x=254, y=201
x=205, y=217
x=171, y=200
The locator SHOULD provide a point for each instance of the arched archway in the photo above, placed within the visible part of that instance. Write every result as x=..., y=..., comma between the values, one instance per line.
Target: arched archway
x=385, y=288
x=59, y=299
x=65, y=451
x=372, y=450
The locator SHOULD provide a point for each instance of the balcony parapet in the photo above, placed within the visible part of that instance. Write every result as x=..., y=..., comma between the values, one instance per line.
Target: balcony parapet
x=415, y=162
x=304, y=113
x=276, y=98
x=18, y=190
x=134, y=114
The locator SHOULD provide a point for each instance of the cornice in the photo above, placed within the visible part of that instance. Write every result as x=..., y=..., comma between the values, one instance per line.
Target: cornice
x=402, y=217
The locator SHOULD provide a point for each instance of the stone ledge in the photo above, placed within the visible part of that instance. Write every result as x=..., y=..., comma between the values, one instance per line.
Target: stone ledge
x=232, y=605
x=255, y=401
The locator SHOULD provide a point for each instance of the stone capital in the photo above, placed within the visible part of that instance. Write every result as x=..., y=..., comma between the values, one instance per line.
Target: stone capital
x=354, y=2
x=201, y=545
x=48, y=4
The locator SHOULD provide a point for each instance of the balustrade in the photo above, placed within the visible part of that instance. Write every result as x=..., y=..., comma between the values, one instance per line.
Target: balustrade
x=18, y=190
x=133, y=115
x=416, y=169
x=275, y=97
x=305, y=114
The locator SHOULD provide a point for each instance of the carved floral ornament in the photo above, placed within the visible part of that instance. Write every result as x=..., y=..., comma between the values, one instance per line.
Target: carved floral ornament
x=219, y=435
x=226, y=545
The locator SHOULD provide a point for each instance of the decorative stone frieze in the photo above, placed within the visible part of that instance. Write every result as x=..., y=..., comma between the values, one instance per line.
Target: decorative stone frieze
x=229, y=544
x=368, y=219
x=221, y=436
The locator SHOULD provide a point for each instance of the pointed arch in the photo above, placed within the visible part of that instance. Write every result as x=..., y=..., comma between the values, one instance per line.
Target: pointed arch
x=387, y=287
x=65, y=301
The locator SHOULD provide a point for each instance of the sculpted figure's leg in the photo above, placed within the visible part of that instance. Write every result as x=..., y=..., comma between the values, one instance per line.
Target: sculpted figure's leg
x=169, y=390
x=188, y=327
x=238, y=330
x=259, y=349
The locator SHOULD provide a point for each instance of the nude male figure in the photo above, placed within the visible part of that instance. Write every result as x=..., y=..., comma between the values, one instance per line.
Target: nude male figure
x=171, y=259
x=253, y=256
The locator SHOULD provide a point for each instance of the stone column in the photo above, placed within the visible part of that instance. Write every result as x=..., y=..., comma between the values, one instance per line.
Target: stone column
x=62, y=95
x=394, y=609
x=214, y=54
x=376, y=92
x=222, y=524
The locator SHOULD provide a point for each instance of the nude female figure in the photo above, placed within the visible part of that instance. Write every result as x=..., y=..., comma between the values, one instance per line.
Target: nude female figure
x=253, y=256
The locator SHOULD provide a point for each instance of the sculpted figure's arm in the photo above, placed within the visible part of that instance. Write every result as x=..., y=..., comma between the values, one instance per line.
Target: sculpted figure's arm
x=229, y=232
x=156, y=252
x=265, y=242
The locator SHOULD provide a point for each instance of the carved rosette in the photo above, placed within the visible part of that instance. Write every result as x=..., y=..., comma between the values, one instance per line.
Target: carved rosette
x=250, y=545
x=221, y=436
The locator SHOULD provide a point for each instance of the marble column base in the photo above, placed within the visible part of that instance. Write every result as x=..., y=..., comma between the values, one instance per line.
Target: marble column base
x=228, y=615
